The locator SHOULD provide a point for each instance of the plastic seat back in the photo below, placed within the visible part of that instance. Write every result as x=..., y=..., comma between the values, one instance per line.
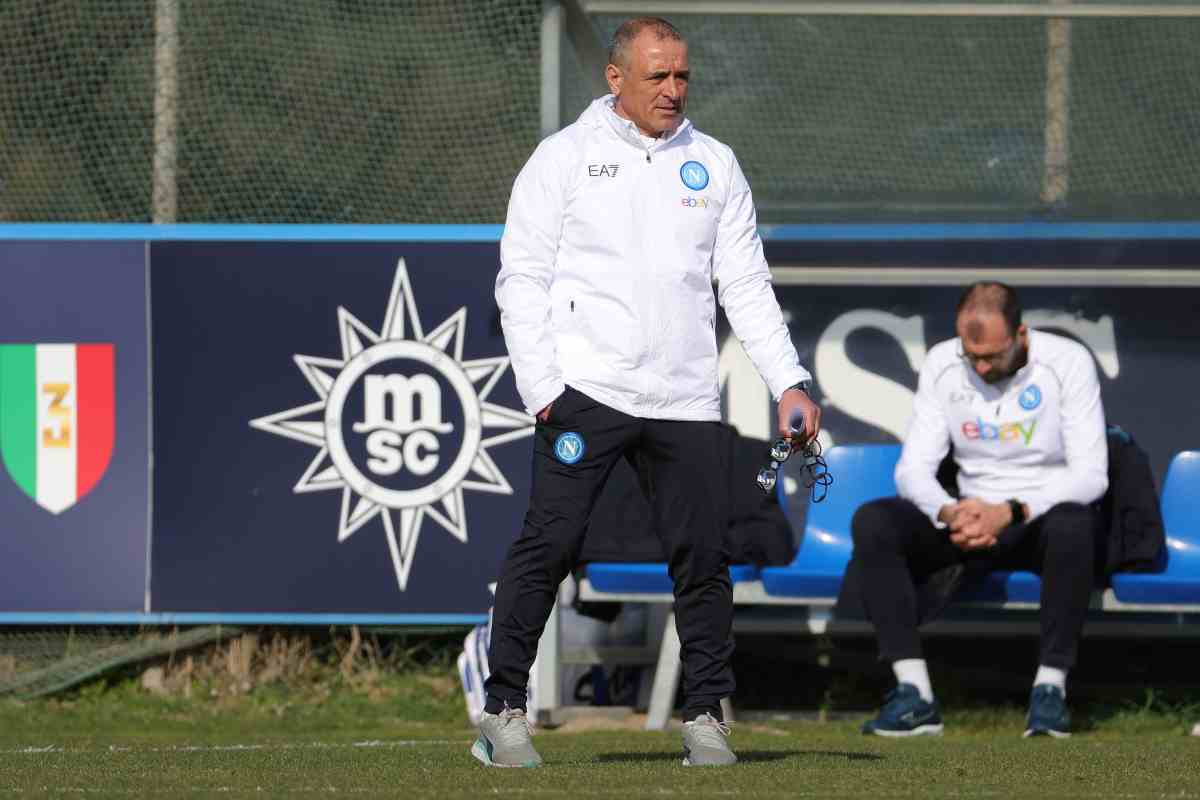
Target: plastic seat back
x=861, y=473
x=1180, y=505
x=1179, y=582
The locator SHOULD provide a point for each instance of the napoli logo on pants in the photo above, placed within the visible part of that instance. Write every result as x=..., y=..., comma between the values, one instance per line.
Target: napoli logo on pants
x=568, y=448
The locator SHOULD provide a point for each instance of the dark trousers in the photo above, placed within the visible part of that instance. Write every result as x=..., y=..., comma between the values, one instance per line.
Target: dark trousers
x=682, y=468
x=896, y=548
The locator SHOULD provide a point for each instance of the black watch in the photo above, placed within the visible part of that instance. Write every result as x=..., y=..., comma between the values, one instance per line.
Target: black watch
x=1018, y=511
x=804, y=386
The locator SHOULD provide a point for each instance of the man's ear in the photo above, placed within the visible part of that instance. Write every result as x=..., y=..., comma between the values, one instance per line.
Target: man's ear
x=612, y=74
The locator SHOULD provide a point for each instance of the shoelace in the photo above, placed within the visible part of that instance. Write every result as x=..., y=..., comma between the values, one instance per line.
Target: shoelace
x=514, y=735
x=708, y=730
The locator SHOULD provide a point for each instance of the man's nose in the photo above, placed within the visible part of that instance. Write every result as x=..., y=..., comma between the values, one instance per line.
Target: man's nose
x=671, y=88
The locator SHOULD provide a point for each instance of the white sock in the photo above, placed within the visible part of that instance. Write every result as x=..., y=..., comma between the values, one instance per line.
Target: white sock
x=914, y=672
x=1052, y=676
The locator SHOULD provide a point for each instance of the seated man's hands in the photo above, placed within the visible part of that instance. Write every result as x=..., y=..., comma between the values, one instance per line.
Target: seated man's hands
x=975, y=524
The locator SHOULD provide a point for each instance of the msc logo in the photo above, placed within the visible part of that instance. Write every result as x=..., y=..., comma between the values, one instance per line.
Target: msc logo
x=606, y=170
x=695, y=202
x=399, y=425
x=694, y=175
x=402, y=416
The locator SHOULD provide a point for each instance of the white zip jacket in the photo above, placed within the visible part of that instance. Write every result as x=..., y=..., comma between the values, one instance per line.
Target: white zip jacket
x=610, y=250
x=1038, y=437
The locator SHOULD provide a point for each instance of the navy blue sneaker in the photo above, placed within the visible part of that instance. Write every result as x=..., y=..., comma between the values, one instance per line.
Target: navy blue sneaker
x=904, y=713
x=1048, y=715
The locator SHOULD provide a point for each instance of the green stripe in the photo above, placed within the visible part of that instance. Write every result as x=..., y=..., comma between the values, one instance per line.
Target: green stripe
x=18, y=414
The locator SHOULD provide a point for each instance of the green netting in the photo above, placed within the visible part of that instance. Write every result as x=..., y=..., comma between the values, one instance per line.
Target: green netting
x=365, y=111
x=838, y=117
x=287, y=110
x=43, y=661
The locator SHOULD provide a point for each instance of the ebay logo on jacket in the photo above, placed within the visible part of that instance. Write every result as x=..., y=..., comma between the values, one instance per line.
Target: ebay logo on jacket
x=1003, y=432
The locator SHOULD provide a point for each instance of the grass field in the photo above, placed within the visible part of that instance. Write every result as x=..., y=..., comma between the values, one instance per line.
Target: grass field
x=406, y=736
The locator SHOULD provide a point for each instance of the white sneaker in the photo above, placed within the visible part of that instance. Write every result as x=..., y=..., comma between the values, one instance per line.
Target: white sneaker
x=505, y=740
x=704, y=743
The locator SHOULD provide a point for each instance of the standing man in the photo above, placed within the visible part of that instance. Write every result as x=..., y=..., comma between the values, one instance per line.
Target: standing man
x=1022, y=410
x=618, y=227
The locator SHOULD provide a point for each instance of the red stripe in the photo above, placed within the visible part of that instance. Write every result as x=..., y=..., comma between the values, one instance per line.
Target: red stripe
x=95, y=398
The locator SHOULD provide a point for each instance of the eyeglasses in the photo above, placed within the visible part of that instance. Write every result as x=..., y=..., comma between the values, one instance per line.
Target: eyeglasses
x=991, y=359
x=814, y=471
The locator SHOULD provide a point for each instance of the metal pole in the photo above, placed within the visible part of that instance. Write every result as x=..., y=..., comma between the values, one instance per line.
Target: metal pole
x=166, y=110
x=551, y=93
x=1055, y=177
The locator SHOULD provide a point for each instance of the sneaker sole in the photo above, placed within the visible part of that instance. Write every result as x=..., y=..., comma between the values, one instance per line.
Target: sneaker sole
x=687, y=762
x=1029, y=734
x=920, y=730
x=479, y=750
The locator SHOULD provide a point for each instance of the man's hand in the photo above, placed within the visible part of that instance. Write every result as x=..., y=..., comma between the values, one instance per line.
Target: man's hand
x=795, y=400
x=974, y=524
x=544, y=414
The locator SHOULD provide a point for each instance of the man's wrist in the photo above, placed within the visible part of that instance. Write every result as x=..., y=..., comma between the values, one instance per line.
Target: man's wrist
x=801, y=386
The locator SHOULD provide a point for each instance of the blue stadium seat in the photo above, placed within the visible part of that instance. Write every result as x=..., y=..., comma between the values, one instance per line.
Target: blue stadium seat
x=620, y=578
x=1179, y=582
x=861, y=473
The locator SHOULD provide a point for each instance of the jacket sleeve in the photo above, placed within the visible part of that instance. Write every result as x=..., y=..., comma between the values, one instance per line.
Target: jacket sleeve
x=528, y=251
x=744, y=290
x=925, y=445
x=1084, y=441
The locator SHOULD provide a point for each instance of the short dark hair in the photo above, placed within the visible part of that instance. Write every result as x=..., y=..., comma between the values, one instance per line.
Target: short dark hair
x=995, y=297
x=618, y=49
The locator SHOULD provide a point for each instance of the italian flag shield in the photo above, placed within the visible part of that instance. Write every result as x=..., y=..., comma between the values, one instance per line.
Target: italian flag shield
x=57, y=419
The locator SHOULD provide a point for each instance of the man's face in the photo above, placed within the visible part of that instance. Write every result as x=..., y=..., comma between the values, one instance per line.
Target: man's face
x=988, y=347
x=651, y=90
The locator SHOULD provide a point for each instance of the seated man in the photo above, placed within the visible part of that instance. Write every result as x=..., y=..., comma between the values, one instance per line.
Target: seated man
x=1022, y=410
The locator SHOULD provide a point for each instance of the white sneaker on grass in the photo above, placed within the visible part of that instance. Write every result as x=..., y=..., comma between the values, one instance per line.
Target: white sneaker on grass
x=704, y=743
x=506, y=740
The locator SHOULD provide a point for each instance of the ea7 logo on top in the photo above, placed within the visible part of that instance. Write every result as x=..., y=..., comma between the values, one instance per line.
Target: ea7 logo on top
x=605, y=170
x=57, y=419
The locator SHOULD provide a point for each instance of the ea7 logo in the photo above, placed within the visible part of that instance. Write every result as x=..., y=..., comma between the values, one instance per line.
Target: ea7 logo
x=605, y=170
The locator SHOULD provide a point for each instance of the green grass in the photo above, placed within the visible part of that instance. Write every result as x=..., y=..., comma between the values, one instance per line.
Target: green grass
x=405, y=736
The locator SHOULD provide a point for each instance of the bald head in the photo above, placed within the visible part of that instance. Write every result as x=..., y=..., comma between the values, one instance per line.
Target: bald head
x=984, y=298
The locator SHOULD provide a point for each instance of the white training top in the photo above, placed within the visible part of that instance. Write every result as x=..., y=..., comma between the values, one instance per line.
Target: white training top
x=609, y=254
x=1038, y=437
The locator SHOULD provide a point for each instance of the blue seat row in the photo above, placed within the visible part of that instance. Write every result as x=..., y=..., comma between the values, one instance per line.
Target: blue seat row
x=865, y=473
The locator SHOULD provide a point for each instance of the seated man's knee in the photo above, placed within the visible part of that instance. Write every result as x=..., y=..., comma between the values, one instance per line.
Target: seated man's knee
x=1070, y=527
x=873, y=526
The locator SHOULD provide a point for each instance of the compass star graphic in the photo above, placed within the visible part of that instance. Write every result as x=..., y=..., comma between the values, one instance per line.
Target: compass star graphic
x=402, y=425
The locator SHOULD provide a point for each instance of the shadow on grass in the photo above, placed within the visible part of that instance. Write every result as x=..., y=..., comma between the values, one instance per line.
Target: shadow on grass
x=744, y=756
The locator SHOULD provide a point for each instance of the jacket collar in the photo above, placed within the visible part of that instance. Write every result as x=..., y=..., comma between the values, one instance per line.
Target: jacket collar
x=601, y=114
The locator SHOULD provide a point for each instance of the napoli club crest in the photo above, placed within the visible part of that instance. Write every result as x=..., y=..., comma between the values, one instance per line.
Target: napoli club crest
x=569, y=448
x=1031, y=397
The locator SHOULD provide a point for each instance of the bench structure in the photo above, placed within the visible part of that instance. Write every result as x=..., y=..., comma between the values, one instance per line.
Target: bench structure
x=811, y=581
